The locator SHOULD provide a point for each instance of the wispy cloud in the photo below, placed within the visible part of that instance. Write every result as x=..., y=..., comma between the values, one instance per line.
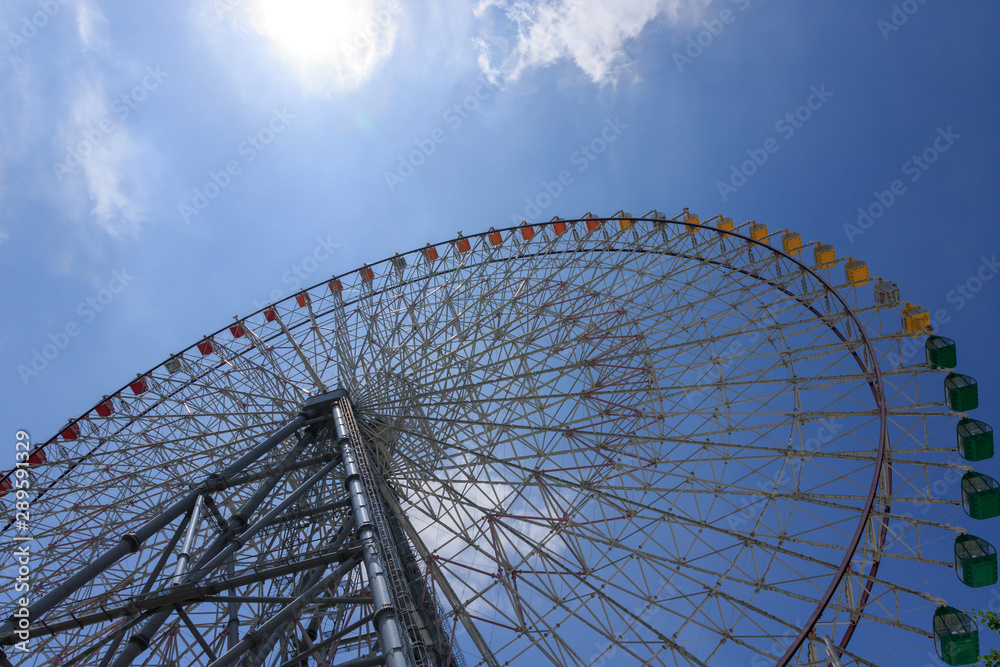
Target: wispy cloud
x=92, y=28
x=114, y=189
x=108, y=165
x=98, y=163
x=520, y=35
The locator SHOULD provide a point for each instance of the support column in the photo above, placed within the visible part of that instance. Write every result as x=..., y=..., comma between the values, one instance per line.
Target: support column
x=233, y=626
x=185, y=555
x=233, y=538
x=130, y=542
x=390, y=631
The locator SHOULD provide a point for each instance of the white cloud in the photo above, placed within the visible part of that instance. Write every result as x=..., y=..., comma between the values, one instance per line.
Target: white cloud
x=101, y=160
x=92, y=28
x=97, y=164
x=113, y=187
x=591, y=33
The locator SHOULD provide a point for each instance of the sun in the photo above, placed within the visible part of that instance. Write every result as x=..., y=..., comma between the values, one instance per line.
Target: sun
x=310, y=30
x=345, y=38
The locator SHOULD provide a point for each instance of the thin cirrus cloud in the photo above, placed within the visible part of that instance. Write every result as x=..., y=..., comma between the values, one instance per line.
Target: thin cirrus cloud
x=100, y=161
x=98, y=165
x=90, y=174
x=518, y=36
x=92, y=28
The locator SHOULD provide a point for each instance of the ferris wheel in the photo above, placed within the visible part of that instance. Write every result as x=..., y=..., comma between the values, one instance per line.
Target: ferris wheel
x=624, y=440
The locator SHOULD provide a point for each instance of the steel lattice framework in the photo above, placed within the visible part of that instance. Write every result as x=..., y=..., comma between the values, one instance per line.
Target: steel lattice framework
x=589, y=442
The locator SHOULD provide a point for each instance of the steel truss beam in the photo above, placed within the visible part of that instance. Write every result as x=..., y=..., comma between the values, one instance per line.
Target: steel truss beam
x=259, y=637
x=331, y=640
x=318, y=589
x=225, y=545
x=189, y=594
x=366, y=539
x=234, y=534
x=261, y=649
x=130, y=542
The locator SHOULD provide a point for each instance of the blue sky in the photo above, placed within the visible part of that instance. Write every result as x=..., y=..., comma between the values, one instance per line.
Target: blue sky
x=167, y=166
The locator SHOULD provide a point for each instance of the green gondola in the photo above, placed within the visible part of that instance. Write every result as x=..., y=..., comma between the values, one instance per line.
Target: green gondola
x=956, y=636
x=941, y=352
x=980, y=495
x=975, y=440
x=961, y=391
x=975, y=561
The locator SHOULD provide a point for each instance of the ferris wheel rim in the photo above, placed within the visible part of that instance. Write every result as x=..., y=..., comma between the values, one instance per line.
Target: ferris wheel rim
x=830, y=289
x=876, y=383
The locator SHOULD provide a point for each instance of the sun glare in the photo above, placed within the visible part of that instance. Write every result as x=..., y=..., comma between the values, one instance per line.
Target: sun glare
x=347, y=38
x=310, y=29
